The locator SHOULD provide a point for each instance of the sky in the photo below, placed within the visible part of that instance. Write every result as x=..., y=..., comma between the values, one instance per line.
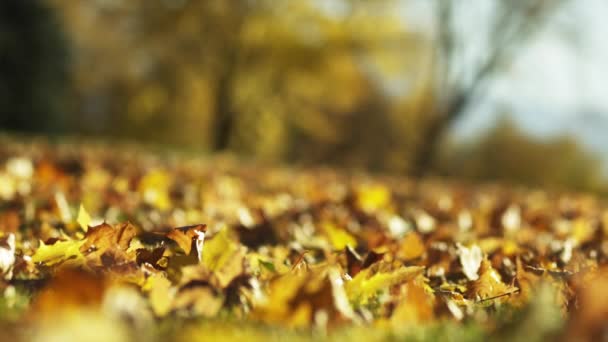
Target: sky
x=558, y=82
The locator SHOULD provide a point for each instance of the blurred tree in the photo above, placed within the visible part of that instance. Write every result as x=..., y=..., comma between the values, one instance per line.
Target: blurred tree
x=302, y=80
x=506, y=153
x=33, y=67
x=267, y=78
x=461, y=76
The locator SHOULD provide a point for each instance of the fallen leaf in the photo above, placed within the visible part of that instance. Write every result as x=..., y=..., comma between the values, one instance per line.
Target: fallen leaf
x=161, y=294
x=367, y=283
x=7, y=255
x=84, y=219
x=58, y=252
x=339, y=238
x=224, y=256
x=187, y=237
x=411, y=247
x=470, y=259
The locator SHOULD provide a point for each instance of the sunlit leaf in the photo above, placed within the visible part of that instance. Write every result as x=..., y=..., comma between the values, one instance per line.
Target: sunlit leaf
x=339, y=238
x=84, y=219
x=186, y=237
x=369, y=282
x=161, y=294
x=58, y=252
x=224, y=256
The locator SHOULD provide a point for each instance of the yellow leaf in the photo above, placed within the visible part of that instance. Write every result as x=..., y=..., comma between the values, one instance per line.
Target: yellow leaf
x=84, y=219
x=154, y=189
x=224, y=256
x=417, y=304
x=370, y=198
x=367, y=283
x=339, y=238
x=160, y=293
x=58, y=252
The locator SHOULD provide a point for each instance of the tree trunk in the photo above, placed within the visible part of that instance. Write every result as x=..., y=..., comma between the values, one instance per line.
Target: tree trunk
x=434, y=132
x=224, y=120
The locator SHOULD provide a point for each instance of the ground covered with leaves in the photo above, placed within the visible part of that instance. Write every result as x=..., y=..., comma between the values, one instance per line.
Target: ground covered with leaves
x=116, y=243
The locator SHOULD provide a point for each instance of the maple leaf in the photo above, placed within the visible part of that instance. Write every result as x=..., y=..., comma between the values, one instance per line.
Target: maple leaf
x=106, y=246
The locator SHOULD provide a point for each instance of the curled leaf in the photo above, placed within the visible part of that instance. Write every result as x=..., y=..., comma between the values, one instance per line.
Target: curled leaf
x=188, y=237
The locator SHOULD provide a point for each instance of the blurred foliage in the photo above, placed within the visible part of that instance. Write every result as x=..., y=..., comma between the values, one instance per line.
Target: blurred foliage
x=344, y=82
x=276, y=80
x=507, y=153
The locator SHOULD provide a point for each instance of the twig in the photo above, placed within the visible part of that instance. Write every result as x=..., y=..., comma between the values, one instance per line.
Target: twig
x=299, y=260
x=498, y=296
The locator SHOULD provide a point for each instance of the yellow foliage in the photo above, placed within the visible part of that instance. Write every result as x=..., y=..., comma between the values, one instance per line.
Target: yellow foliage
x=154, y=188
x=338, y=237
x=84, y=219
x=160, y=292
x=224, y=256
x=372, y=197
x=58, y=252
x=367, y=283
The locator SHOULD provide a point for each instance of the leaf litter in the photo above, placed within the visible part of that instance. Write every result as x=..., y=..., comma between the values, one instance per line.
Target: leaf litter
x=153, y=243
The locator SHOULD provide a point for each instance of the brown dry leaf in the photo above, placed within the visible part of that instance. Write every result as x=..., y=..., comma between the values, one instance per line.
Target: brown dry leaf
x=107, y=246
x=151, y=257
x=489, y=285
x=100, y=238
x=189, y=236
